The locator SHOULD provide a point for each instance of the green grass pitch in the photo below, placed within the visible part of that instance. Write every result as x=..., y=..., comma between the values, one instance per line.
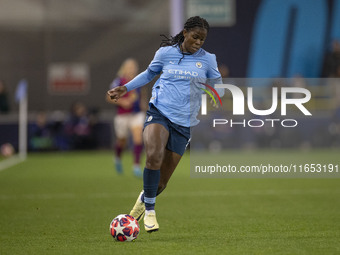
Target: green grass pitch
x=62, y=203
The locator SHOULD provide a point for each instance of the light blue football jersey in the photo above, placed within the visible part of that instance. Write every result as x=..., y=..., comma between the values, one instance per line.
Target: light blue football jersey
x=176, y=93
x=173, y=92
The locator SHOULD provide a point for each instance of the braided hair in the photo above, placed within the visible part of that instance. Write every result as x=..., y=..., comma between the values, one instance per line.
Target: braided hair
x=178, y=39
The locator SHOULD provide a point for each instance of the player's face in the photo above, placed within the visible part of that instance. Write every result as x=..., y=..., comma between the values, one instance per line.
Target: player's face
x=194, y=39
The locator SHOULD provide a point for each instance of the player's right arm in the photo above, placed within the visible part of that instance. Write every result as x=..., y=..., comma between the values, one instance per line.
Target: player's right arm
x=117, y=92
x=140, y=80
x=125, y=102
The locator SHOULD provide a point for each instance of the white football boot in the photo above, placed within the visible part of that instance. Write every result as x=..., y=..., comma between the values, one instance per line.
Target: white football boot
x=138, y=209
x=150, y=221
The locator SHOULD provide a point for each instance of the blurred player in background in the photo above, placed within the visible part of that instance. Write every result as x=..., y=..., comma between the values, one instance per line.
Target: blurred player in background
x=129, y=117
x=40, y=133
x=167, y=125
x=79, y=127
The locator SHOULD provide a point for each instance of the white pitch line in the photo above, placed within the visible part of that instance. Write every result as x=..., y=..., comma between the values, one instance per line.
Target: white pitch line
x=10, y=162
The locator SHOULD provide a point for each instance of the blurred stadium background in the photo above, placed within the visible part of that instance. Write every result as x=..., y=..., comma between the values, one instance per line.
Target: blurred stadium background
x=69, y=51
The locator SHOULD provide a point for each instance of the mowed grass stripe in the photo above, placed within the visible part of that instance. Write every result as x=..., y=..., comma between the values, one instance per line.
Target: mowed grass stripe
x=63, y=203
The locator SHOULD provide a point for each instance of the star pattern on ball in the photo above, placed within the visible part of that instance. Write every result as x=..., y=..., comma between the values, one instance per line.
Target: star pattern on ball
x=119, y=229
x=133, y=224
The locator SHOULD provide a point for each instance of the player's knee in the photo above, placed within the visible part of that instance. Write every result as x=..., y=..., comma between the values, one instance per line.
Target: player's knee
x=121, y=142
x=154, y=159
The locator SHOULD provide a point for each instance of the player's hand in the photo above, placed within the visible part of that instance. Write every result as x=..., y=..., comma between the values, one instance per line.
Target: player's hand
x=213, y=103
x=117, y=92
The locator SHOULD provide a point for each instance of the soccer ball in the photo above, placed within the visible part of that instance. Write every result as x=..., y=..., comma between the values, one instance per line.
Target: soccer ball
x=124, y=228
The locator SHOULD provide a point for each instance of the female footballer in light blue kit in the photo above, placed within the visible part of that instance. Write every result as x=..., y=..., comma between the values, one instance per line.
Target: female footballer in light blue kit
x=167, y=126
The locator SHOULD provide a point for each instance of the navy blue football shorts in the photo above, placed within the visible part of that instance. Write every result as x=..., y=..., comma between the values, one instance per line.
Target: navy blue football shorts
x=179, y=136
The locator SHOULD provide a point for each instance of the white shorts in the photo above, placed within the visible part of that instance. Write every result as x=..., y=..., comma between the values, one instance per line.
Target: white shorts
x=125, y=122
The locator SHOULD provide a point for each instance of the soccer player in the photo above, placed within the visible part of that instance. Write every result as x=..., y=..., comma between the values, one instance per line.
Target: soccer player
x=129, y=117
x=167, y=125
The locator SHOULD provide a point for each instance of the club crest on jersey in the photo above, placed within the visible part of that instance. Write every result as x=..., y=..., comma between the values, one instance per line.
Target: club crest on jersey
x=198, y=64
x=149, y=119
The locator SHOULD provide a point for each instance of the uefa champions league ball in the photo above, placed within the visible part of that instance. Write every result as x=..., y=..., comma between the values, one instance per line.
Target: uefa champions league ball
x=124, y=228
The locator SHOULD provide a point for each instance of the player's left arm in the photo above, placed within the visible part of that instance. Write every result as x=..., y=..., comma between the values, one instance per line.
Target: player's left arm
x=214, y=75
